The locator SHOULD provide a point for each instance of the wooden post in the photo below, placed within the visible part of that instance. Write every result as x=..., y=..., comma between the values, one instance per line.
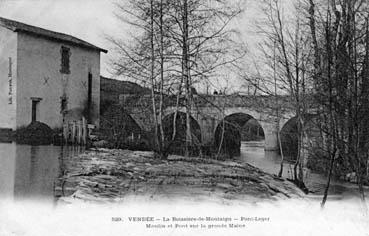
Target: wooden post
x=73, y=132
x=70, y=130
x=65, y=132
x=79, y=132
x=84, y=131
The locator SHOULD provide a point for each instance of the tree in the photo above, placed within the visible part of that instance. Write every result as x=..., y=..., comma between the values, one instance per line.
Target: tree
x=182, y=42
x=340, y=72
x=205, y=42
x=144, y=57
x=285, y=63
x=322, y=55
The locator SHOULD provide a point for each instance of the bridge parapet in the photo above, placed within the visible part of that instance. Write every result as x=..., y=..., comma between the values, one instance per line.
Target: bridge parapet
x=261, y=103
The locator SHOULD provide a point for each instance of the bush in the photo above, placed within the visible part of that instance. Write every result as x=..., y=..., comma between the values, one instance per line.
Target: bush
x=36, y=133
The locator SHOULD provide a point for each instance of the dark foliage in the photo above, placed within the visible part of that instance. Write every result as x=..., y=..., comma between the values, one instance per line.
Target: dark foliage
x=37, y=133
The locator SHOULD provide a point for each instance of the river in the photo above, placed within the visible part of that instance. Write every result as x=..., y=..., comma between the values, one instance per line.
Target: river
x=252, y=152
x=30, y=172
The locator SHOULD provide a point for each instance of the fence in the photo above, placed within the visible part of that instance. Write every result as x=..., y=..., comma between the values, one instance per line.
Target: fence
x=77, y=132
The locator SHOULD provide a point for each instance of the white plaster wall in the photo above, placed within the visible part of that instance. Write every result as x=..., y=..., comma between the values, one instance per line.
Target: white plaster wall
x=8, y=48
x=40, y=58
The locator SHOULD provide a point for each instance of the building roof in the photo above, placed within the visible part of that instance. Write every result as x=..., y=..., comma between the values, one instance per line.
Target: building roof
x=52, y=35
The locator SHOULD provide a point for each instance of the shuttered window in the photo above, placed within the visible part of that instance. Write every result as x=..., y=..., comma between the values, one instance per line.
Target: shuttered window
x=65, y=60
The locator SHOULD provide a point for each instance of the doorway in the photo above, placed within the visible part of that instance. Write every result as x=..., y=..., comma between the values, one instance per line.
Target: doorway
x=34, y=109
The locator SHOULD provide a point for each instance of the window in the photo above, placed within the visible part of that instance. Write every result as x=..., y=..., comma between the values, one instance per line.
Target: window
x=65, y=60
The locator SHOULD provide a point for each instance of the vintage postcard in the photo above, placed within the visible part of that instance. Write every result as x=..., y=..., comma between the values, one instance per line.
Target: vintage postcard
x=184, y=117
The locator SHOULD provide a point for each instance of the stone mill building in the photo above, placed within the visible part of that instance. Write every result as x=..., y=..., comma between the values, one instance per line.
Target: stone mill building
x=46, y=76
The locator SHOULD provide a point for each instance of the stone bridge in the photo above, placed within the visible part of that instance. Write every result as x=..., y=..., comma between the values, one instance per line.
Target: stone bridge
x=210, y=111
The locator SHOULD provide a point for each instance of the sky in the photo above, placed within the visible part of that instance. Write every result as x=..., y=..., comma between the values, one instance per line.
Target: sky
x=91, y=20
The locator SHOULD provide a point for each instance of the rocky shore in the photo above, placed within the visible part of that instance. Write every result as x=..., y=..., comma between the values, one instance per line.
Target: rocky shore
x=104, y=175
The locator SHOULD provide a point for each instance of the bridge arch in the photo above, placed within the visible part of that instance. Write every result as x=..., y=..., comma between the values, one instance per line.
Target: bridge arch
x=228, y=133
x=177, y=144
x=142, y=122
x=289, y=134
x=116, y=122
x=289, y=138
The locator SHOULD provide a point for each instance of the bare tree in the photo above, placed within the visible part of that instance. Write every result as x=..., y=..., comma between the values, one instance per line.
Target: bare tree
x=285, y=61
x=143, y=57
x=182, y=42
x=339, y=32
x=206, y=44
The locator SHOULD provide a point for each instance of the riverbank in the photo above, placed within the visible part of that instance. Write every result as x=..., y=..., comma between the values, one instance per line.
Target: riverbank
x=104, y=175
x=99, y=186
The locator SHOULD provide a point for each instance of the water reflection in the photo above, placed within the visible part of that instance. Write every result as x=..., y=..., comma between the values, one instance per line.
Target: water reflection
x=254, y=154
x=30, y=172
x=269, y=161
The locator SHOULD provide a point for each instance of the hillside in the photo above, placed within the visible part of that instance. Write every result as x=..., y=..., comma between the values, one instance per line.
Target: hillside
x=110, y=89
